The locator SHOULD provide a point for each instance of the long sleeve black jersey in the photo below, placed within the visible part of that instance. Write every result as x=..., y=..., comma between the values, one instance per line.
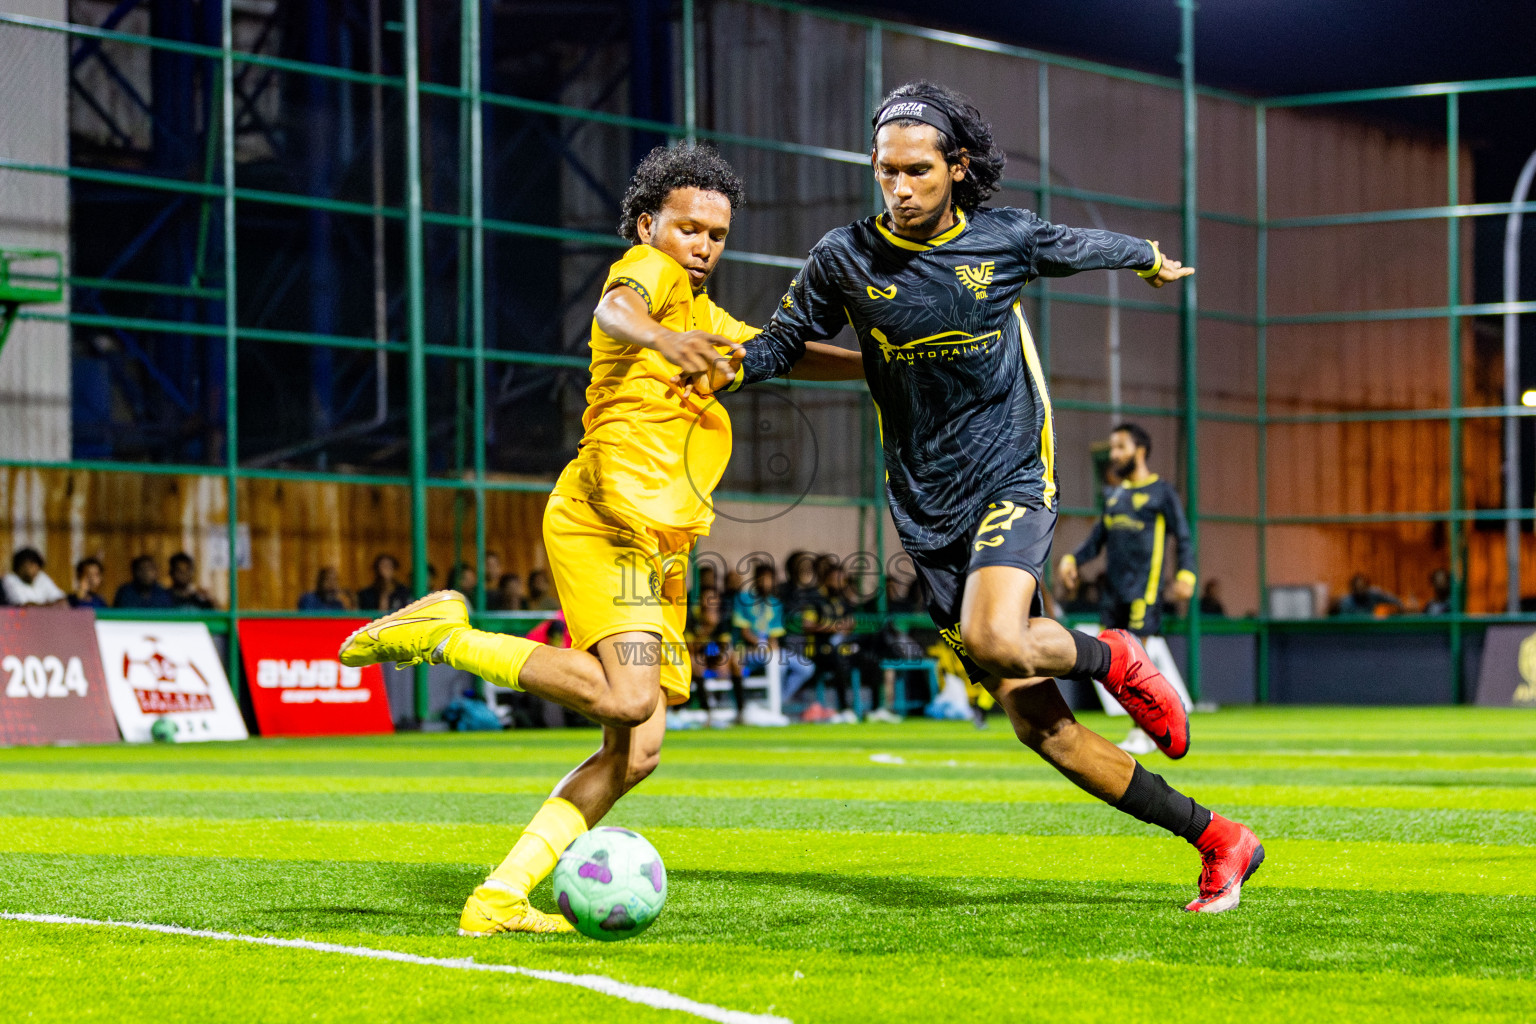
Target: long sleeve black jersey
x=1135, y=527
x=952, y=368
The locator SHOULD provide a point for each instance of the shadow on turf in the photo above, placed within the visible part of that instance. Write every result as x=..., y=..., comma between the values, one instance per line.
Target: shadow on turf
x=907, y=891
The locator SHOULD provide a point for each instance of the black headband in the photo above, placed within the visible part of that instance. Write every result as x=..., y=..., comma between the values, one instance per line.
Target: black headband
x=915, y=110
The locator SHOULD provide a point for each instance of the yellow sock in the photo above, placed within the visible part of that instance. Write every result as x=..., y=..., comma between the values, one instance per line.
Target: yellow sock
x=556, y=826
x=495, y=657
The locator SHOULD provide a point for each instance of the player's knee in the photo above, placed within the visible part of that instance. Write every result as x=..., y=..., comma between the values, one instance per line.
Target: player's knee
x=1001, y=644
x=1052, y=740
x=629, y=710
x=641, y=764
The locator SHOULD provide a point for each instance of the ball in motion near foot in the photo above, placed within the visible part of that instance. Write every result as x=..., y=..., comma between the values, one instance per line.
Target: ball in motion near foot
x=610, y=884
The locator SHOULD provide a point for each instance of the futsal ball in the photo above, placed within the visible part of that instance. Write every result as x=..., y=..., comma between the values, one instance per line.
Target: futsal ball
x=610, y=884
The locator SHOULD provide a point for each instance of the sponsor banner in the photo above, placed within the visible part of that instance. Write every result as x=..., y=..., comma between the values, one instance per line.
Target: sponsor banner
x=170, y=671
x=51, y=685
x=298, y=688
x=1508, y=674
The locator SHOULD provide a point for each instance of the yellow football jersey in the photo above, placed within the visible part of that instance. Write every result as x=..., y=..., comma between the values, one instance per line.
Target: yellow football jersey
x=647, y=449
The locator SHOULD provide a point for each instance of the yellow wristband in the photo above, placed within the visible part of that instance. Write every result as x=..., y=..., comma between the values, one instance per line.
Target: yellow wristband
x=1157, y=262
x=1185, y=576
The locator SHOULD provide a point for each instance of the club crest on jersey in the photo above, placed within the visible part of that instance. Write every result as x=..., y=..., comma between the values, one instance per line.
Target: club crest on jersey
x=951, y=636
x=1138, y=500
x=975, y=278
x=880, y=293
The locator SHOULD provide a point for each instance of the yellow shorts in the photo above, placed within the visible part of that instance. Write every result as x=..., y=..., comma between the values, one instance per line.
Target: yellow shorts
x=616, y=576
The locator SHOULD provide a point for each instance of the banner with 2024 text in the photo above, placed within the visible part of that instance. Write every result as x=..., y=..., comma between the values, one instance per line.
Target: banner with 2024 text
x=299, y=688
x=52, y=689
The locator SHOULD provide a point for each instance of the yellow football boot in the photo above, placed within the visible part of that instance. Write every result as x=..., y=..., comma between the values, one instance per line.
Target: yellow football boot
x=491, y=910
x=416, y=633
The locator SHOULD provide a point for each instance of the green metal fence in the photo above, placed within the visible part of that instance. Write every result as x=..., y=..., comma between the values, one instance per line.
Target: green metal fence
x=219, y=190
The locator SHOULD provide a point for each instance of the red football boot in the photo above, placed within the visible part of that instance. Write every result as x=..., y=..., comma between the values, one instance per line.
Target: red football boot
x=1140, y=688
x=1231, y=853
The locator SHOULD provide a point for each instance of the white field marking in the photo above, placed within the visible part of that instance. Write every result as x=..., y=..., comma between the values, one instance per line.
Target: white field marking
x=646, y=996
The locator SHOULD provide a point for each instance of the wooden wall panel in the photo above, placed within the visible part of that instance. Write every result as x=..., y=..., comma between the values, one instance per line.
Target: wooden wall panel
x=296, y=528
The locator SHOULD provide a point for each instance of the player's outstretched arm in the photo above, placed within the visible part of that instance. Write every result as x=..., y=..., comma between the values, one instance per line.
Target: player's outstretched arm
x=1163, y=271
x=622, y=315
x=1056, y=250
x=828, y=362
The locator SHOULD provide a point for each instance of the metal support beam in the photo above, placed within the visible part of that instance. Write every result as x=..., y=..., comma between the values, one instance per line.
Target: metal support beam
x=231, y=338
x=416, y=333
x=1189, y=326
x=1456, y=528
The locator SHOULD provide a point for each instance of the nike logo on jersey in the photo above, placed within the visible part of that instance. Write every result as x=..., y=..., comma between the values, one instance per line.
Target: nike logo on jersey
x=881, y=293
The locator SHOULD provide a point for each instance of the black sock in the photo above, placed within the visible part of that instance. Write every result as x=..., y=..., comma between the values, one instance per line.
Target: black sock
x=1092, y=658
x=1155, y=802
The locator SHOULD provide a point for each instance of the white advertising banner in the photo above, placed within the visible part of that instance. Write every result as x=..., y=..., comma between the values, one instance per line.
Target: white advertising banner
x=170, y=671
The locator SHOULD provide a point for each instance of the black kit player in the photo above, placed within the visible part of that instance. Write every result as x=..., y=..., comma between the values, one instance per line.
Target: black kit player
x=1140, y=513
x=931, y=288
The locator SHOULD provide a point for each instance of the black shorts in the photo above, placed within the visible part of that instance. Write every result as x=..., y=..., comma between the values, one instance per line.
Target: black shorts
x=1008, y=533
x=1139, y=617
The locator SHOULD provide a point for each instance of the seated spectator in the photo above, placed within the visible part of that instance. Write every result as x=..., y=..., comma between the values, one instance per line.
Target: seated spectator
x=759, y=620
x=386, y=593
x=327, y=595
x=1440, y=583
x=185, y=593
x=541, y=595
x=509, y=595
x=734, y=581
x=551, y=631
x=462, y=577
x=493, y=571
x=27, y=584
x=898, y=598
x=87, y=583
x=144, y=590
x=713, y=652
x=1210, y=601
x=1364, y=599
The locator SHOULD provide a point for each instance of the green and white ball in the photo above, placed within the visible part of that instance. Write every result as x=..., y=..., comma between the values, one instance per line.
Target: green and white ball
x=610, y=884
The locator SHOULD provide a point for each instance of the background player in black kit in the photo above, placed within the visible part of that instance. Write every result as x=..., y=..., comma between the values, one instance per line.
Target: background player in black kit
x=1142, y=513
x=931, y=288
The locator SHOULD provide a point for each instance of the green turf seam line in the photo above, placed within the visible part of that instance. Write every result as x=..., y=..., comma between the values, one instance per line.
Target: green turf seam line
x=654, y=997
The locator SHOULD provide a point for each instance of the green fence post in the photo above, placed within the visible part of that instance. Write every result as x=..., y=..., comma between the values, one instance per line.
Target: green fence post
x=416, y=331
x=231, y=363
x=1189, y=304
x=874, y=92
x=471, y=18
x=1043, y=310
x=690, y=74
x=1261, y=393
x=1454, y=424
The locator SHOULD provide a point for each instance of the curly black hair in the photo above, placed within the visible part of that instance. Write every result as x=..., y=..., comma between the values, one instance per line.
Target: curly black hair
x=667, y=168
x=973, y=137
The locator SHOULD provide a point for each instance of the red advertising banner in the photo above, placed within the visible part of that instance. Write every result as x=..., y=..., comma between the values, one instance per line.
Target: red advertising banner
x=52, y=689
x=298, y=688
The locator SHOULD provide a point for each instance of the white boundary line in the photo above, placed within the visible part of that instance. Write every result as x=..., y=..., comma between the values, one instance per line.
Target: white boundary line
x=655, y=997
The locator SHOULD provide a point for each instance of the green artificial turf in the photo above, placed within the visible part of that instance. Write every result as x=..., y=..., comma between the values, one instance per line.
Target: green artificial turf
x=954, y=878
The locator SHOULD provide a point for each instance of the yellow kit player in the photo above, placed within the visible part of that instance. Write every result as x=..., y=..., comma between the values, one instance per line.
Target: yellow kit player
x=619, y=524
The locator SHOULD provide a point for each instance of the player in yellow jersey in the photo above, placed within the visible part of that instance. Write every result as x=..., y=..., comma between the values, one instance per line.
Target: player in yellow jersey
x=620, y=523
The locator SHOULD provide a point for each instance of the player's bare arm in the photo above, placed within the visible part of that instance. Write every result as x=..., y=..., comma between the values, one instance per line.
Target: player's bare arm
x=828, y=362
x=621, y=313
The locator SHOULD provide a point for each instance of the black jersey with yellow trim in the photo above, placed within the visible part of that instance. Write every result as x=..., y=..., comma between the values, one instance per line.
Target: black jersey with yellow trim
x=952, y=367
x=1134, y=531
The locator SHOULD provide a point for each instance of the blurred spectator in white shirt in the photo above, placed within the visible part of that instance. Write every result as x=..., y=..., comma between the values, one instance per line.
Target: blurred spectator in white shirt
x=27, y=584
